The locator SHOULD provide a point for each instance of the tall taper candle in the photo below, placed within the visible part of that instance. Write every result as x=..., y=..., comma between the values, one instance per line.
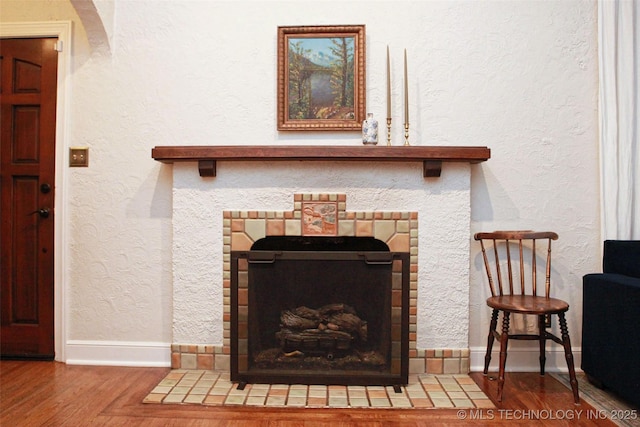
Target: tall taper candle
x=388, y=85
x=406, y=90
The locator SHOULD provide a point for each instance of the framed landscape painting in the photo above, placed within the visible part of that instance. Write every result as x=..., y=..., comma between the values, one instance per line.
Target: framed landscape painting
x=321, y=77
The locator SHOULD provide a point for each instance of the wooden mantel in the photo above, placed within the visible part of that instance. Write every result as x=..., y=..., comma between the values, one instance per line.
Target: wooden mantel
x=431, y=156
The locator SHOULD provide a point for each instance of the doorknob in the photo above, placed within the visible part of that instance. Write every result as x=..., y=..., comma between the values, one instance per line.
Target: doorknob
x=45, y=188
x=43, y=212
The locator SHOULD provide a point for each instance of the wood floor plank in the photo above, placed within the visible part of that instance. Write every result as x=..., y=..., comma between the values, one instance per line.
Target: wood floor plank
x=54, y=394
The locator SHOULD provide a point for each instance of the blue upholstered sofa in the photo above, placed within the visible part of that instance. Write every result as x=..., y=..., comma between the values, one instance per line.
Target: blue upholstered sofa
x=611, y=321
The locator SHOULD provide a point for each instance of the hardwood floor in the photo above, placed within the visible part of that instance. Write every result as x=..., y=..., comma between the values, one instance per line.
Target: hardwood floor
x=55, y=394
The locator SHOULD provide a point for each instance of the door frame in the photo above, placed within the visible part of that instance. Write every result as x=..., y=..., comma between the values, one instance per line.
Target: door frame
x=61, y=30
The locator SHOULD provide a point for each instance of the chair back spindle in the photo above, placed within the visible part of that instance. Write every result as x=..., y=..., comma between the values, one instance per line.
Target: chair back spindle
x=509, y=269
x=547, y=283
x=522, y=281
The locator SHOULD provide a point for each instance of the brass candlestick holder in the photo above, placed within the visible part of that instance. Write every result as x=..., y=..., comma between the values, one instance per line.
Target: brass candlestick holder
x=388, y=131
x=406, y=134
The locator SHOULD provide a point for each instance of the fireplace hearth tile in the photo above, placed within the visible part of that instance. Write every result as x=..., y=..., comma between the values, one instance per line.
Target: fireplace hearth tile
x=297, y=401
x=199, y=387
x=461, y=403
x=194, y=398
x=256, y=400
x=442, y=403
x=214, y=400
x=155, y=398
x=316, y=402
x=234, y=400
x=174, y=398
x=358, y=402
x=275, y=401
x=380, y=402
x=400, y=402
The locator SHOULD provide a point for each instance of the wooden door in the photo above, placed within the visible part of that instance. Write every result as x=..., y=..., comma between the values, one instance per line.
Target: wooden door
x=27, y=160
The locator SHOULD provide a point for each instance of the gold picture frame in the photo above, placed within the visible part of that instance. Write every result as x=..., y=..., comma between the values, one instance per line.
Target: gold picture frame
x=321, y=78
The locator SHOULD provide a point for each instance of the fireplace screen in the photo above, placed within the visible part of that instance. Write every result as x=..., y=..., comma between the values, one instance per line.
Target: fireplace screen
x=319, y=310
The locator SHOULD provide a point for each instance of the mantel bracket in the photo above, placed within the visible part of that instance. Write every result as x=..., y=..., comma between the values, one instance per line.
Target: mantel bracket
x=207, y=168
x=432, y=168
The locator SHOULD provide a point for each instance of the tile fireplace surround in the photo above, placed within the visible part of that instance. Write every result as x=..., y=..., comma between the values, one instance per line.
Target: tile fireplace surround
x=388, y=193
x=323, y=215
x=399, y=230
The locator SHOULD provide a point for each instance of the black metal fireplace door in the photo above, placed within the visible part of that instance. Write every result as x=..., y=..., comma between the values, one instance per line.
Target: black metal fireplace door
x=320, y=316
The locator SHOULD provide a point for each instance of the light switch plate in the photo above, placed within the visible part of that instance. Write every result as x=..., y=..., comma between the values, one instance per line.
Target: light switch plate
x=79, y=157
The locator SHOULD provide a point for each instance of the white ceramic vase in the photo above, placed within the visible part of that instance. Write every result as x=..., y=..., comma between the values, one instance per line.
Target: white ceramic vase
x=370, y=130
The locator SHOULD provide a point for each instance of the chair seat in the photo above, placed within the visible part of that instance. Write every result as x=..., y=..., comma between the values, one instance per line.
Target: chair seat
x=528, y=304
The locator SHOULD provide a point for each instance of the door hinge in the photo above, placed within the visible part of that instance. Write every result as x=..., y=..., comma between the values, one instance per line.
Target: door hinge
x=58, y=46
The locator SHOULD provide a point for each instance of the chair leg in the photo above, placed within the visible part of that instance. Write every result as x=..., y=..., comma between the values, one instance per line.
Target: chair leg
x=566, y=342
x=504, y=339
x=490, y=339
x=542, y=330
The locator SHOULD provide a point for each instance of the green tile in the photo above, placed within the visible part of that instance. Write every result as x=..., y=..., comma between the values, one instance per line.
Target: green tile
x=297, y=393
x=380, y=403
x=194, y=398
x=174, y=398
x=451, y=387
x=180, y=390
x=402, y=402
x=255, y=400
x=254, y=392
x=297, y=401
x=438, y=395
x=276, y=401
x=476, y=395
x=199, y=390
x=219, y=391
x=338, y=402
x=457, y=395
x=470, y=387
x=462, y=403
x=442, y=403
x=358, y=402
x=234, y=400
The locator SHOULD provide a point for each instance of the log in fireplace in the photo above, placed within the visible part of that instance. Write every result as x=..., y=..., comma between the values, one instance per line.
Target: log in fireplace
x=320, y=310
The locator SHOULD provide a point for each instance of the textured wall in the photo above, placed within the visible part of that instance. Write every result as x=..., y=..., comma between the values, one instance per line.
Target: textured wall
x=443, y=216
x=540, y=119
x=519, y=77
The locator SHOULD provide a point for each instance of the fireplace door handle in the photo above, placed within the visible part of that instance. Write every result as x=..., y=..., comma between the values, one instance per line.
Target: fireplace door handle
x=262, y=261
x=379, y=258
x=255, y=258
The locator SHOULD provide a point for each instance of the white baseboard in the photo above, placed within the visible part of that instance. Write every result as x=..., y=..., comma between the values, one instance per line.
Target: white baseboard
x=118, y=353
x=524, y=359
x=155, y=354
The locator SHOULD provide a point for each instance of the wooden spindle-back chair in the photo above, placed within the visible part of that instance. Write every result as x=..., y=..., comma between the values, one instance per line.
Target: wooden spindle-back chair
x=514, y=262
